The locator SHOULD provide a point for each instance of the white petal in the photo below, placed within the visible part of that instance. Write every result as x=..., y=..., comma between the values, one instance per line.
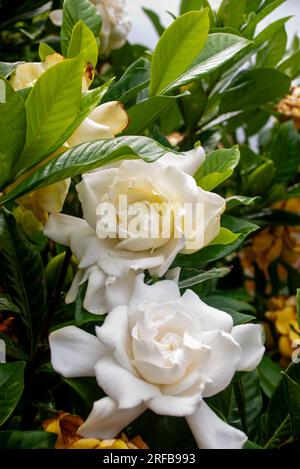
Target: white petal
x=211, y=318
x=74, y=352
x=60, y=227
x=72, y=293
x=221, y=364
x=188, y=162
x=118, y=290
x=107, y=421
x=210, y=432
x=116, y=336
x=169, y=252
x=177, y=406
x=160, y=292
x=94, y=300
x=91, y=190
x=56, y=17
x=121, y=385
x=112, y=115
x=249, y=337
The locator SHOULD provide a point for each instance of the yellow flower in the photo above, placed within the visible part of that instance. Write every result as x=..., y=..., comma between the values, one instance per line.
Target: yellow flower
x=283, y=312
x=66, y=426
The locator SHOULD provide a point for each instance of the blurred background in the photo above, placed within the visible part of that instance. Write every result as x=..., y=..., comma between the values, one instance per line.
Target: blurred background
x=142, y=31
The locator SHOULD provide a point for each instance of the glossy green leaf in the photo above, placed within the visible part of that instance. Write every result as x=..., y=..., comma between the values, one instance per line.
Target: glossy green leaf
x=86, y=157
x=6, y=304
x=218, y=167
x=257, y=18
x=237, y=200
x=11, y=388
x=154, y=18
x=213, y=253
x=190, y=5
x=87, y=390
x=144, y=114
x=269, y=376
x=285, y=152
x=224, y=237
x=269, y=32
x=249, y=401
x=231, y=13
x=74, y=11
x=13, y=349
x=45, y=50
x=50, y=109
x=23, y=276
x=219, y=49
x=177, y=48
x=204, y=276
x=7, y=68
x=254, y=88
x=13, y=129
x=274, y=50
x=260, y=179
x=135, y=79
x=17, y=439
x=83, y=42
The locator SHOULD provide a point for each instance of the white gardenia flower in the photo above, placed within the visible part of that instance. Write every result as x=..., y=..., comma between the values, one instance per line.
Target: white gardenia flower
x=168, y=179
x=116, y=23
x=164, y=352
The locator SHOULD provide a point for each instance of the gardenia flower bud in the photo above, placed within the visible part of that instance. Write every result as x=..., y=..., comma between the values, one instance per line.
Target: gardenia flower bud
x=101, y=255
x=164, y=352
x=26, y=74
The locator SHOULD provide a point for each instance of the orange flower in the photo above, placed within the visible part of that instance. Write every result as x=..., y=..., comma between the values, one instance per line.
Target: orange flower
x=66, y=426
x=283, y=312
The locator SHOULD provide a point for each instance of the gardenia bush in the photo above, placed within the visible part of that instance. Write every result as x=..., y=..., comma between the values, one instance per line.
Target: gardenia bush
x=148, y=228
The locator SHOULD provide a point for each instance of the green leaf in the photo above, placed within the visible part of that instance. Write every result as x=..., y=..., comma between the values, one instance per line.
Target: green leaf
x=293, y=397
x=213, y=253
x=253, y=88
x=256, y=19
x=17, y=439
x=260, y=179
x=88, y=390
x=224, y=237
x=269, y=376
x=219, y=49
x=86, y=157
x=274, y=50
x=7, y=68
x=231, y=13
x=249, y=402
x=291, y=65
x=237, y=200
x=154, y=18
x=177, y=48
x=13, y=129
x=269, y=32
x=11, y=388
x=204, y=276
x=285, y=152
x=13, y=349
x=23, y=276
x=83, y=42
x=135, y=79
x=45, y=50
x=218, y=167
x=74, y=11
x=144, y=114
x=50, y=109
x=190, y=5
x=6, y=304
